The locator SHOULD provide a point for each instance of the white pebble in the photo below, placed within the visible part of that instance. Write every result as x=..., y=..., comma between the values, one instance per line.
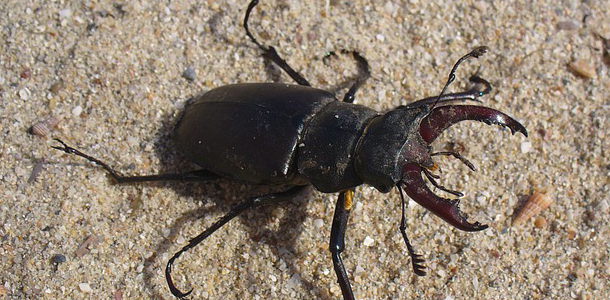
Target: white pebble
x=85, y=287
x=368, y=241
x=526, y=147
x=77, y=111
x=603, y=206
x=65, y=13
x=294, y=281
x=132, y=141
x=359, y=270
x=24, y=94
x=318, y=223
x=389, y=7
x=380, y=37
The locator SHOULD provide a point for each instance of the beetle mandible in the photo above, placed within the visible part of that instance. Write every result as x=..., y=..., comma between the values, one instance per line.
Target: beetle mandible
x=297, y=136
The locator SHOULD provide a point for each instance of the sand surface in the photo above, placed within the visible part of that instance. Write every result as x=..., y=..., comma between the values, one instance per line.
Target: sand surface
x=113, y=73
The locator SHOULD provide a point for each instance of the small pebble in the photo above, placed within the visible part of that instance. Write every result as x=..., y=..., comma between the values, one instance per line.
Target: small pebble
x=77, y=111
x=540, y=222
x=85, y=247
x=480, y=6
x=389, y=7
x=56, y=87
x=319, y=223
x=189, y=74
x=132, y=141
x=24, y=94
x=572, y=234
x=603, y=206
x=526, y=147
x=58, y=259
x=359, y=270
x=566, y=25
x=368, y=241
x=294, y=281
x=65, y=13
x=85, y=287
x=26, y=73
x=35, y=171
x=118, y=295
x=583, y=69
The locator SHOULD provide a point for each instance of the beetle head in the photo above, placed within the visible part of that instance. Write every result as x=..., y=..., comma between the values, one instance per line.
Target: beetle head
x=388, y=142
x=395, y=150
x=431, y=126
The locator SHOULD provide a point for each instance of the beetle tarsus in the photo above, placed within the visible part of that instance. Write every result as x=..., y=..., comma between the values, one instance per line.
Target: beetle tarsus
x=417, y=261
x=168, y=276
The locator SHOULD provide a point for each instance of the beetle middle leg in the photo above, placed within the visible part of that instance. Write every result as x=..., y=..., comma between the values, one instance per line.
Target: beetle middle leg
x=237, y=210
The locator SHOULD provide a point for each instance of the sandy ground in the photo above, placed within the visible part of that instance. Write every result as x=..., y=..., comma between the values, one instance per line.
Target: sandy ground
x=113, y=73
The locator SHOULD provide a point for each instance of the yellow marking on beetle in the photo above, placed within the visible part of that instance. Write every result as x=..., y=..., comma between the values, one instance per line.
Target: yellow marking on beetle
x=349, y=200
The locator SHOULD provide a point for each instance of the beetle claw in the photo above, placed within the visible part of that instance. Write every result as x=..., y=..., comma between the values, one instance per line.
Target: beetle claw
x=447, y=209
x=442, y=117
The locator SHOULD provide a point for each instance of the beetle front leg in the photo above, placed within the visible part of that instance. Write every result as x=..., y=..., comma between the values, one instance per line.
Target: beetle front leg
x=270, y=52
x=364, y=72
x=337, y=240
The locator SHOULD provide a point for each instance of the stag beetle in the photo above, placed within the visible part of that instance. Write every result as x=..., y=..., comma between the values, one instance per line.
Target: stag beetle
x=297, y=136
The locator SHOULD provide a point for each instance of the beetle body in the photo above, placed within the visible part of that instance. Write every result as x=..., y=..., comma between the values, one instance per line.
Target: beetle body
x=297, y=136
x=274, y=133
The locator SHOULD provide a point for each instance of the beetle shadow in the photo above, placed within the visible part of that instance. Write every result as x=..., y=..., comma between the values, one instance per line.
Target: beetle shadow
x=225, y=194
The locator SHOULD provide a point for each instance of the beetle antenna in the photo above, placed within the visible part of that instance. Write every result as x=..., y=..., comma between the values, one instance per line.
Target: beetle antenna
x=416, y=260
x=476, y=52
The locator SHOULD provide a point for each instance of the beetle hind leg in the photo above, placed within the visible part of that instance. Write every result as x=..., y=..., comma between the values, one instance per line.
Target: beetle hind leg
x=198, y=175
x=236, y=211
x=270, y=52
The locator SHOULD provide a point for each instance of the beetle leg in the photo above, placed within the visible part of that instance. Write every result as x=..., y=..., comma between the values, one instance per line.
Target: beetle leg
x=442, y=117
x=416, y=259
x=240, y=208
x=364, y=72
x=446, y=209
x=270, y=52
x=337, y=240
x=198, y=175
